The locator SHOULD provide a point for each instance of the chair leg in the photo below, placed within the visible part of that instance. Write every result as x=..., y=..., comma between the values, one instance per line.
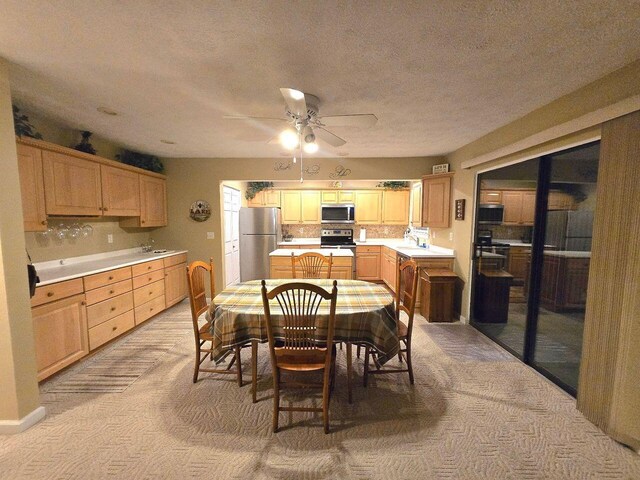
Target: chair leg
x=349, y=371
x=409, y=364
x=254, y=370
x=325, y=402
x=276, y=399
x=238, y=366
x=365, y=377
x=197, y=366
x=400, y=357
x=358, y=352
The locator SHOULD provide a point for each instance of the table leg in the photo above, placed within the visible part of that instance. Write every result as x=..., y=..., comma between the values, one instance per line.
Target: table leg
x=254, y=369
x=349, y=368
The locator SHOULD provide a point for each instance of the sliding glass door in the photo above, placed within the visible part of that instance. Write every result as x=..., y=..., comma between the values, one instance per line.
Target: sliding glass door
x=531, y=264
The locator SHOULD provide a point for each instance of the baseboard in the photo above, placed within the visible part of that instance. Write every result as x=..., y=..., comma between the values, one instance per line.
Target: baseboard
x=9, y=427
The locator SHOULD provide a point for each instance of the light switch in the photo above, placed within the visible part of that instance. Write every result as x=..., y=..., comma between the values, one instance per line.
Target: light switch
x=211, y=235
x=109, y=238
x=451, y=236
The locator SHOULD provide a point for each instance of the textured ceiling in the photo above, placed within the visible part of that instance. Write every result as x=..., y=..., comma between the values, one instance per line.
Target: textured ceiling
x=437, y=74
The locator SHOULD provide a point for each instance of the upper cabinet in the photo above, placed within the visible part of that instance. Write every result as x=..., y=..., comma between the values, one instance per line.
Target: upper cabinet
x=310, y=207
x=71, y=185
x=290, y=204
x=31, y=188
x=416, y=204
x=519, y=207
x=265, y=198
x=395, y=207
x=300, y=206
x=368, y=206
x=436, y=200
x=338, y=196
x=120, y=192
x=153, y=204
x=491, y=197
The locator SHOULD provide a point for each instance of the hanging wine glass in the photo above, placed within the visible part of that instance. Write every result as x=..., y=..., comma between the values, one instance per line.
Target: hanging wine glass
x=86, y=231
x=74, y=231
x=61, y=231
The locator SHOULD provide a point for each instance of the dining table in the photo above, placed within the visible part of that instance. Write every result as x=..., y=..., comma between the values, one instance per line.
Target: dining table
x=365, y=315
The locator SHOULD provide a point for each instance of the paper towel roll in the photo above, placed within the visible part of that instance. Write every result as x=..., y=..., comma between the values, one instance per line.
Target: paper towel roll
x=363, y=234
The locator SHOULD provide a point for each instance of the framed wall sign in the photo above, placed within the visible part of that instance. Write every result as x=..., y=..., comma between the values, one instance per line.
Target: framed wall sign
x=460, y=209
x=442, y=168
x=200, y=210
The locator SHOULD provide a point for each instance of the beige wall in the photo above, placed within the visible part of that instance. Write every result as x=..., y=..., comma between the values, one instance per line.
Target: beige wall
x=189, y=180
x=44, y=247
x=19, y=394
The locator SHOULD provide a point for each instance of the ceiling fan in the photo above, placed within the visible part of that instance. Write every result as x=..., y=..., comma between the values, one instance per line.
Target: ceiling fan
x=305, y=123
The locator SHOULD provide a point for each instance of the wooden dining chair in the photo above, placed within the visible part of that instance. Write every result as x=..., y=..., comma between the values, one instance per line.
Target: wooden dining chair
x=300, y=341
x=311, y=264
x=406, y=290
x=196, y=277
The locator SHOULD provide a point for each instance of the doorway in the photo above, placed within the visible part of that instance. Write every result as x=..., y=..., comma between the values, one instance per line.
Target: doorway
x=531, y=258
x=231, y=206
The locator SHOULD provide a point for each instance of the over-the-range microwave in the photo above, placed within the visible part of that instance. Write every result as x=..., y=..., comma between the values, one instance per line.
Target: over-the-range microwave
x=490, y=213
x=338, y=213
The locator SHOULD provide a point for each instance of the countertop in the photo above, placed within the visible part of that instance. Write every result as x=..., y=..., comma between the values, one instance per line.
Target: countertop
x=567, y=254
x=54, y=271
x=286, y=252
x=397, y=244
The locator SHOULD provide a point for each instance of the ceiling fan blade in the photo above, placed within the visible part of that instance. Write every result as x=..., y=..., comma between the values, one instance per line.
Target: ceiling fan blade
x=295, y=101
x=357, y=120
x=329, y=137
x=247, y=117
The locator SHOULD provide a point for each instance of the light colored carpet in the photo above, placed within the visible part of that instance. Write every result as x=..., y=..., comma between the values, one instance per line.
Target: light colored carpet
x=474, y=412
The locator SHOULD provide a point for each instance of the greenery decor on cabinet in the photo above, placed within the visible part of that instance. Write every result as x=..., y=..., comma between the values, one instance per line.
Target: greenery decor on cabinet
x=253, y=188
x=22, y=126
x=393, y=185
x=141, y=160
x=84, y=145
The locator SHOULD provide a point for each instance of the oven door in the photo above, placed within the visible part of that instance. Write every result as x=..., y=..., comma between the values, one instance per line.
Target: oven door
x=338, y=213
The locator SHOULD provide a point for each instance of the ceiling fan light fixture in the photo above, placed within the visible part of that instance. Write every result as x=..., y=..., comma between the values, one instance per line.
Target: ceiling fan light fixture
x=310, y=147
x=289, y=139
x=308, y=135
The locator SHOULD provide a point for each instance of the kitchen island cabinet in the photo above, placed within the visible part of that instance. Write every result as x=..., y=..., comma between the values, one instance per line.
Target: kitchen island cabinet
x=565, y=276
x=341, y=266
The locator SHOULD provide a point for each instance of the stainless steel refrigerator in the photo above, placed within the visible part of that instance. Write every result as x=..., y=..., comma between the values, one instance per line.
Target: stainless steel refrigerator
x=570, y=230
x=260, y=233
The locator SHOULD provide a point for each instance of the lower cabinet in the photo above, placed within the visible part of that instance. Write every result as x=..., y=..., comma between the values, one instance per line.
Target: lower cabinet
x=519, y=258
x=60, y=334
x=388, y=267
x=368, y=263
x=341, y=268
x=564, y=283
x=175, y=279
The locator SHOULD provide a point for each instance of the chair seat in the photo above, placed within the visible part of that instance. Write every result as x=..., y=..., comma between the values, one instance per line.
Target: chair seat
x=205, y=332
x=403, y=330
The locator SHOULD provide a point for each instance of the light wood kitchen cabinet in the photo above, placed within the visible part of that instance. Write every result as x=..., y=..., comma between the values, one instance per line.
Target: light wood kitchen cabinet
x=368, y=206
x=395, y=207
x=175, y=280
x=153, y=204
x=519, y=207
x=368, y=263
x=310, y=207
x=32, y=188
x=519, y=258
x=416, y=205
x=265, y=198
x=120, y=192
x=436, y=200
x=341, y=268
x=338, y=196
x=564, y=283
x=388, y=267
x=492, y=197
x=60, y=334
x=291, y=202
x=72, y=185
x=561, y=201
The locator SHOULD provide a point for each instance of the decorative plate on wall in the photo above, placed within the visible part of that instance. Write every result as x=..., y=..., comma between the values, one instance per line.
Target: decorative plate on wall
x=200, y=210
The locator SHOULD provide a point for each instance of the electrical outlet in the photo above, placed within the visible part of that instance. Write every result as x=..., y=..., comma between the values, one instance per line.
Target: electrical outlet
x=433, y=234
x=109, y=237
x=451, y=236
x=211, y=235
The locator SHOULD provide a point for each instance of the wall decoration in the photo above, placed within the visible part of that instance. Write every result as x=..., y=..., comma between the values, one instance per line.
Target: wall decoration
x=340, y=172
x=442, y=168
x=312, y=170
x=281, y=166
x=84, y=145
x=393, y=185
x=336, y=184
x=460, y=209
x=253, y=188
x=200, y=210
x=141, y=160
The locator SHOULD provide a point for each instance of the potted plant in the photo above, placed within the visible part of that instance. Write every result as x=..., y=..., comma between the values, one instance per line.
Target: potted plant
x=141, y=160
x=22, y=126
x=394, y=185
x=253, y=188
x=84, y=145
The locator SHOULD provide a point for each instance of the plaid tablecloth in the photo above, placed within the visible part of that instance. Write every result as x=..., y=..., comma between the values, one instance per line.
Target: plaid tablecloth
x=364, y=314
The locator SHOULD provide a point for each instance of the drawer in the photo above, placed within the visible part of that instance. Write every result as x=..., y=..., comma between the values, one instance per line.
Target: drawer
x=367, y=249
x=436, y=263
x=101, y=334
x=103, y=311
x=175, y=260
x=56, y=291
x=101, y=279
x=149, y=309
x=149, y=292
x=147, y=278
x=109, y=291
x=147, y=267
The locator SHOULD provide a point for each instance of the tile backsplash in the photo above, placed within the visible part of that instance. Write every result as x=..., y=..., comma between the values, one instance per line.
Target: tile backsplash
x=373, y=231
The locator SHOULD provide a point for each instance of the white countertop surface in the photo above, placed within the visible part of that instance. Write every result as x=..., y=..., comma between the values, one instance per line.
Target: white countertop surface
x=398, y=244
x=286, y=252
x=567, y=254
x=54, y=271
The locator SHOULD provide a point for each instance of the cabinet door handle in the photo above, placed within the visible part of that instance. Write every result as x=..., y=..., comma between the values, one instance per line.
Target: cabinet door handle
x=114, y=329
x=111, y=292
x=113, y=309
x=43, y=222
x=105, y=209
x=50, y=294
x=110, y=277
